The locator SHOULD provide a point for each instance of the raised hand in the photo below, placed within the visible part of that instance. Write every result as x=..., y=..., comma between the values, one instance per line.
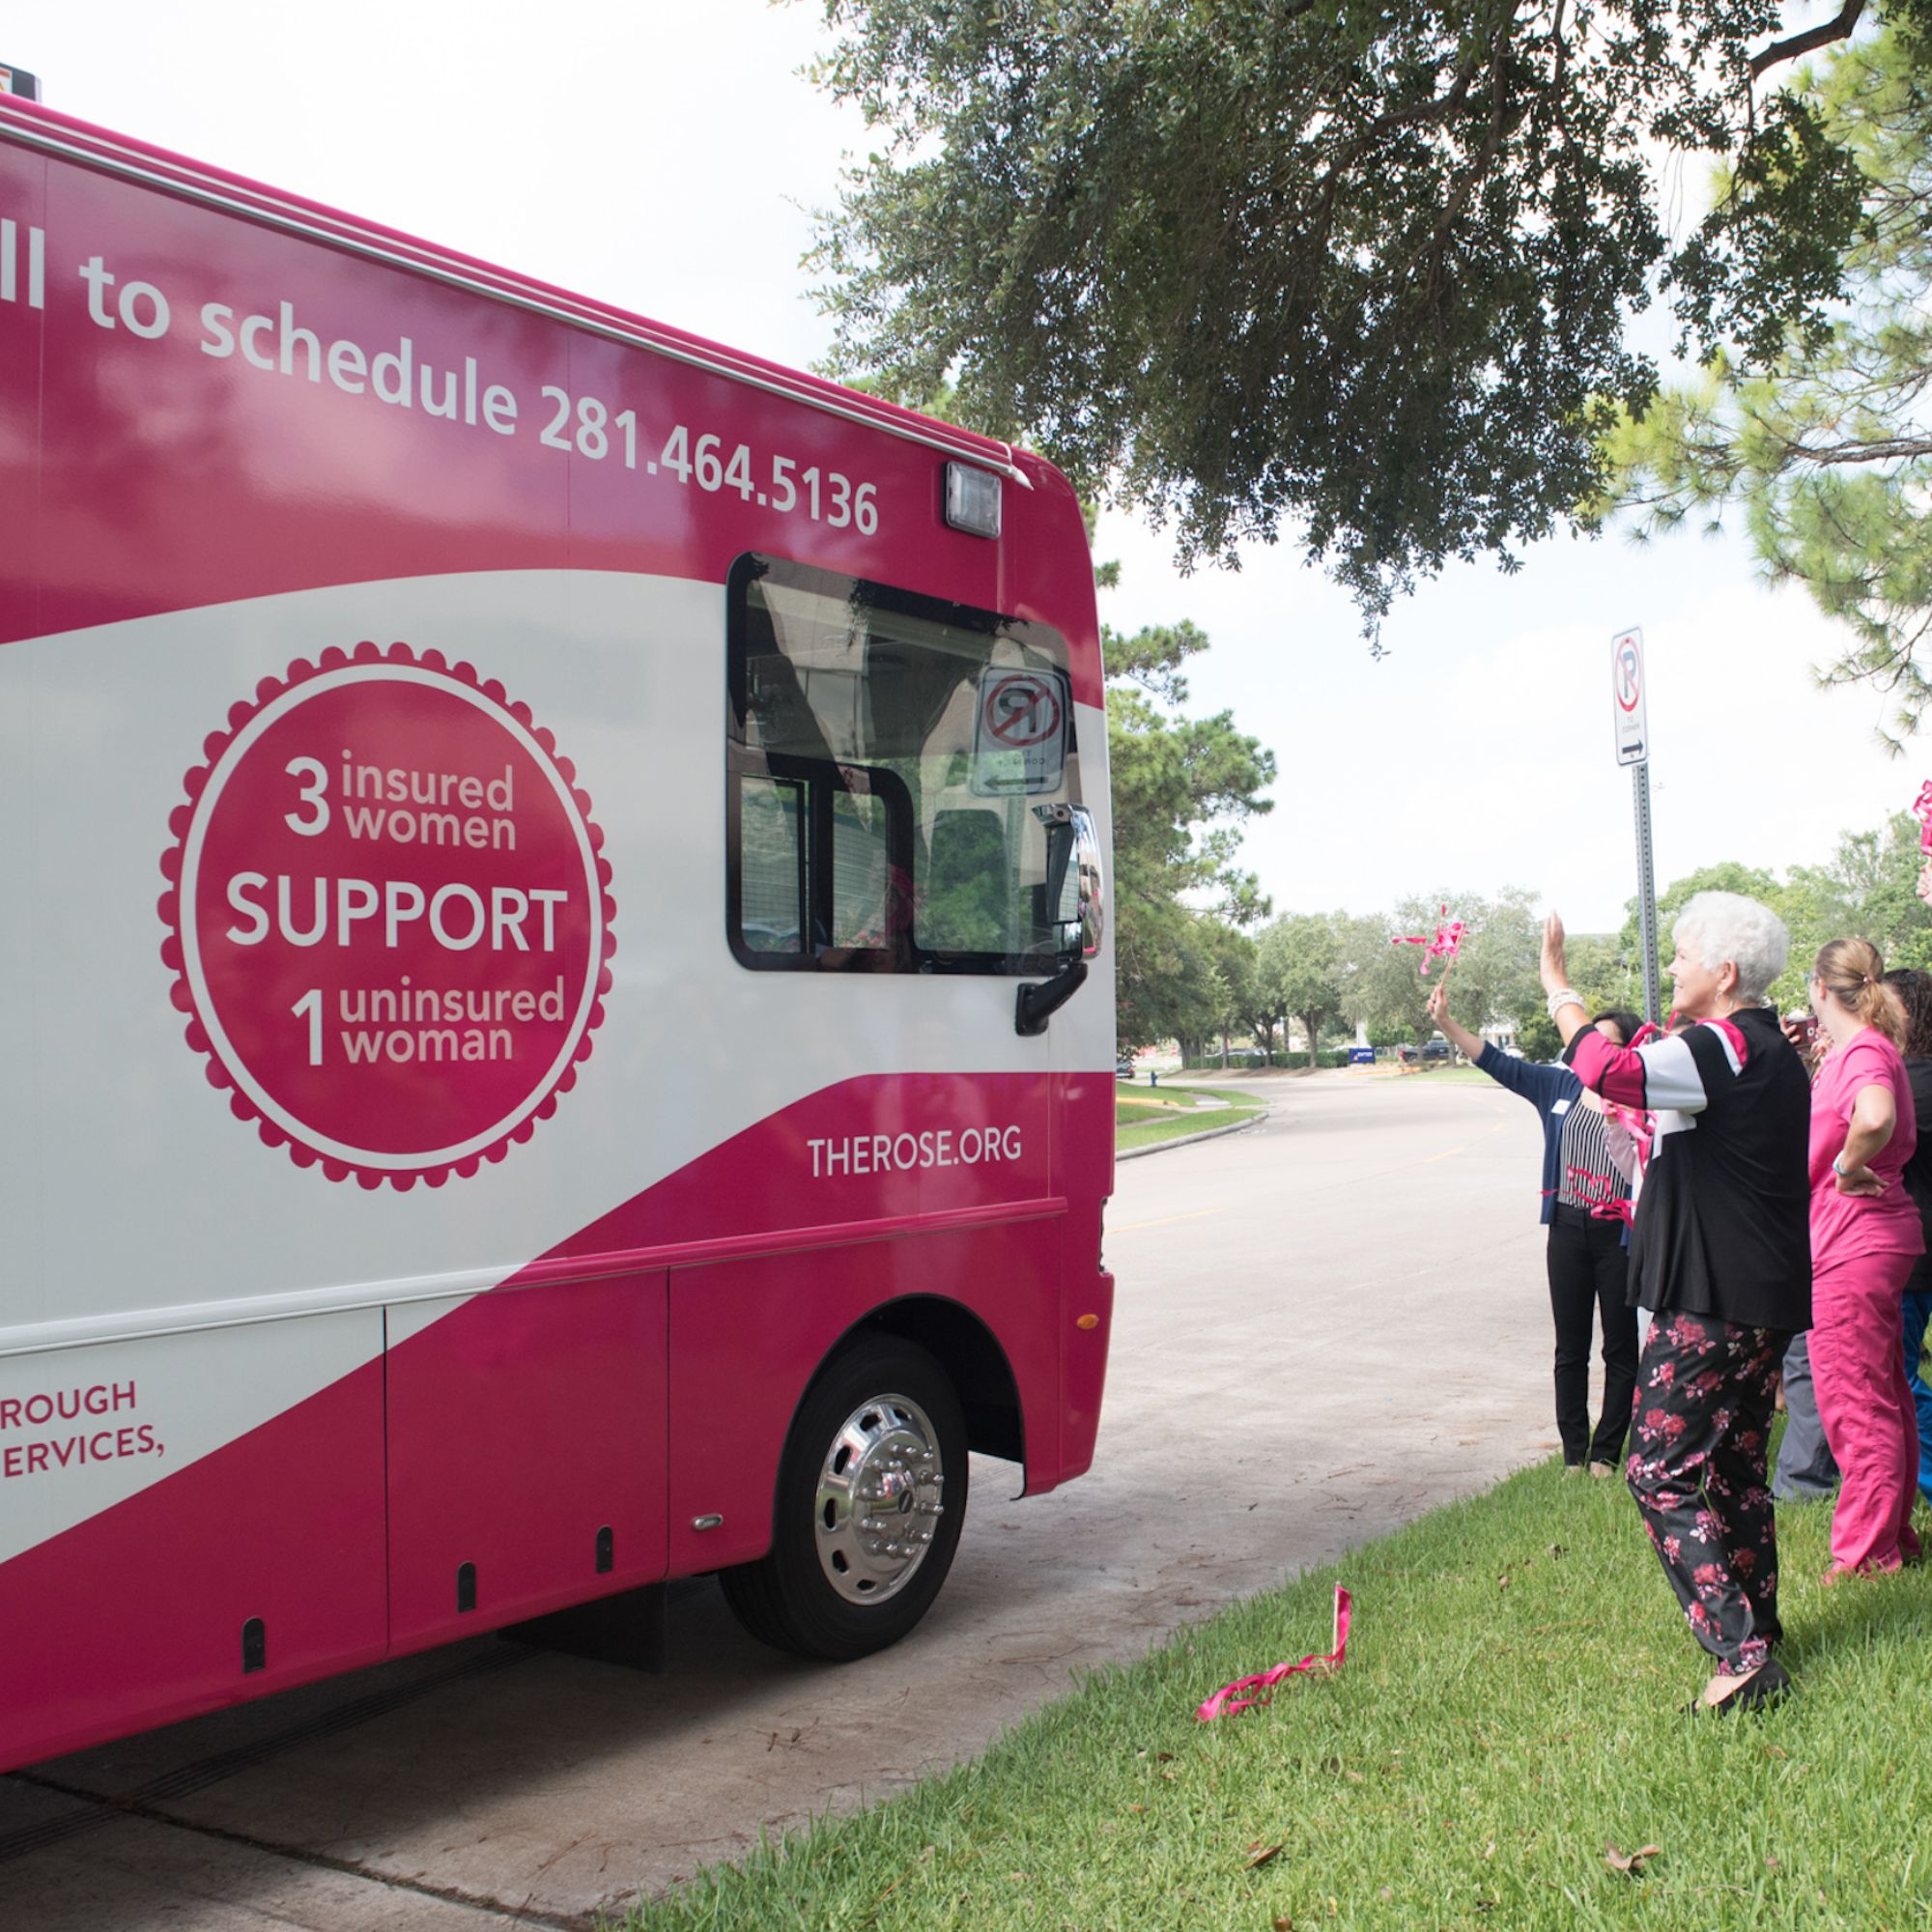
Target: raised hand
x=1552, y=967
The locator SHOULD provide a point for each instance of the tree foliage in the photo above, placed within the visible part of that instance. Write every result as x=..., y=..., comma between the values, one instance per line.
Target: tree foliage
x=1382, y=991
x=1168, y=980
x=1181, y=787
x=1826, y=446
x=1300, y=968
x=1603, y=973
x=1866, y=890
x=1322, y=967
x=1369, y=268
x=1492, y=979
x=1495, y=979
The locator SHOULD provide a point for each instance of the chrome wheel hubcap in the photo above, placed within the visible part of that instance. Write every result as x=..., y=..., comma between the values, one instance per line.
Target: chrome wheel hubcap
x=879, y=1498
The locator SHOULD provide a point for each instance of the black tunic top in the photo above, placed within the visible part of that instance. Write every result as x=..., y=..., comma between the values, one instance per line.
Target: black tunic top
x=1722, y=1225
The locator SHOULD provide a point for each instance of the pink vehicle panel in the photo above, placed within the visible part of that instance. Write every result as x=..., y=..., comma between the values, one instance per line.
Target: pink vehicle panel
x=500, y=978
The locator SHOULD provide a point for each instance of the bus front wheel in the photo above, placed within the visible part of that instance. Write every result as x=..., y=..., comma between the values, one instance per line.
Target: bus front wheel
x=872, y=1497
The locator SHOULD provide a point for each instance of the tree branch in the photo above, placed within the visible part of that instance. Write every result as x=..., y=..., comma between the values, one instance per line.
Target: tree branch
x=1823, y=36
x=1882, y=449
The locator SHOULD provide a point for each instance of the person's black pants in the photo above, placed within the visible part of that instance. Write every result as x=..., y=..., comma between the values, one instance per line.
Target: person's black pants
x=1588, y=1277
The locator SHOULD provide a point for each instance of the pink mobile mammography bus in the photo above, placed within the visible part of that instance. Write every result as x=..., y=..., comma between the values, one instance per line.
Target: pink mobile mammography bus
x=557, y=1025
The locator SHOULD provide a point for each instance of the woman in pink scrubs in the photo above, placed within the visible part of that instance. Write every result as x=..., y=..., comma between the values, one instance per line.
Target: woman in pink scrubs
x=1865, y=1235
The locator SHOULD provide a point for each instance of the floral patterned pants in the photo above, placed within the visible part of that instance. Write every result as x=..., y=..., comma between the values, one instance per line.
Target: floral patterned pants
x=1705, y=1392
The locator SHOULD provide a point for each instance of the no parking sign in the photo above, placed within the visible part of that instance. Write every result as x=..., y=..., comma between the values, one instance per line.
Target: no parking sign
x=1630, y=713
x=1019, y=740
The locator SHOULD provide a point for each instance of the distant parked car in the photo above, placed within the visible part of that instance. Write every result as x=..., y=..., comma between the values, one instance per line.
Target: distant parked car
x=1438, y=1049
x=1124, y=1070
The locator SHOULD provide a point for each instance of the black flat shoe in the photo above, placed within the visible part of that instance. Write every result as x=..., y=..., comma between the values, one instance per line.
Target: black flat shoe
x=1769, y=1682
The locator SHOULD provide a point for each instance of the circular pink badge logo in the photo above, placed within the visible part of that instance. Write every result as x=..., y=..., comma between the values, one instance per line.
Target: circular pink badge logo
x=389, y=917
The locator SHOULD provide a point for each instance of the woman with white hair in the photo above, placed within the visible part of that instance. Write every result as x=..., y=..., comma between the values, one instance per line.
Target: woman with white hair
x=1720, y=1255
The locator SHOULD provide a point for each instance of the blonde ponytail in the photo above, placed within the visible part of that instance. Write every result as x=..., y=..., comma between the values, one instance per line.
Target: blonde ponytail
x=1853, y=974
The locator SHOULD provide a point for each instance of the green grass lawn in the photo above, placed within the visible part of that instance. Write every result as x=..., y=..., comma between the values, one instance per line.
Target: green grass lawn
x=1138, y=1093
x=1143, y=1115
x=1509, y=1708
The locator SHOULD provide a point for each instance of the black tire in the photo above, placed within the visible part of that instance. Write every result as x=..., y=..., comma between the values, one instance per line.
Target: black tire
x=789, y=1599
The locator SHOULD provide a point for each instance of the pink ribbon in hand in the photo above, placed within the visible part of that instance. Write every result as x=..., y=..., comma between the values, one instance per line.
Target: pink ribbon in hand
x=1641, y=1127
x=1922, y=810
x=1448, y=939
x=1247, y=1691
x=1599, y=1191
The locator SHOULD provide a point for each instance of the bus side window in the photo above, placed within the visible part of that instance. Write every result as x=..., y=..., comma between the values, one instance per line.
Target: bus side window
x=900, y=768
x=823, y=866
x=773, y=865
x=862, y=913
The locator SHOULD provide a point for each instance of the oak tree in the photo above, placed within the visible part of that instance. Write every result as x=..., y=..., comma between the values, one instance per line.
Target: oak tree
x=1300, y=964
x=1367, y=272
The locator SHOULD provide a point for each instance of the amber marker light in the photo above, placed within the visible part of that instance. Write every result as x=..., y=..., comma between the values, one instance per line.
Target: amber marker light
x=1088, y=1322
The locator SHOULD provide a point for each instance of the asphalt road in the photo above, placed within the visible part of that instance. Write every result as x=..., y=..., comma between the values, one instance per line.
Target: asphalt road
x=1325, y=1325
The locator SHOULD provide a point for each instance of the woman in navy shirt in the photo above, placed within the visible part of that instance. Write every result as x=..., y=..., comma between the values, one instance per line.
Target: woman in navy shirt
x=1586, y=1209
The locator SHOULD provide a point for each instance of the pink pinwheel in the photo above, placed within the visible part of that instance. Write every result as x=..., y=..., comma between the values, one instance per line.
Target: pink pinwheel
x=1446, y=944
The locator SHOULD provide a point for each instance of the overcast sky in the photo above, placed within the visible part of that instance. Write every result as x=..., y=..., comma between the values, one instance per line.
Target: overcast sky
x=667, y=157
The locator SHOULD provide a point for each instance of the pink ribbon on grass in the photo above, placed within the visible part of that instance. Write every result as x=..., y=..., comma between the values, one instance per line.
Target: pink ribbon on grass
x=1246, y=1692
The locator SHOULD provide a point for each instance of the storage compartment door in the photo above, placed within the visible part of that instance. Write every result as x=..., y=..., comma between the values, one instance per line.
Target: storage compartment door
x=523, y=1424
x=188, y=1519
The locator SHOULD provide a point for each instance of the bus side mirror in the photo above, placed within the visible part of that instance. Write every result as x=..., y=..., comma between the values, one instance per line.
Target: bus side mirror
x=1082, y=933
x=1091, y=882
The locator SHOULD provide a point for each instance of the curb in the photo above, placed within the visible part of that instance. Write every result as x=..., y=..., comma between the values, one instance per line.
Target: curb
x=1189, y=1139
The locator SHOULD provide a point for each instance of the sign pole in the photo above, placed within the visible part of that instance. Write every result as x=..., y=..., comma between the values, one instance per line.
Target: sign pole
x=1646, y=894
x=1629, y=693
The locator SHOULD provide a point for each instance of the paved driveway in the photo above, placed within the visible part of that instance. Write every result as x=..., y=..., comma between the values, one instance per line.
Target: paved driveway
x=1327, y=1325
